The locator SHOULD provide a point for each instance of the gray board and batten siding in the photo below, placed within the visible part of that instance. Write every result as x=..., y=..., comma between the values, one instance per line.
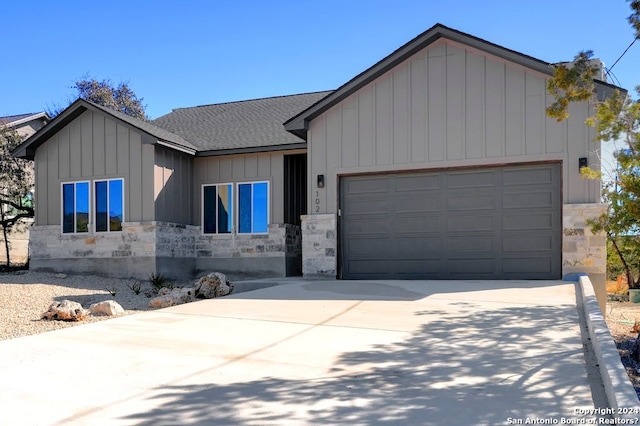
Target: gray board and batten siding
x=448, y=106
x=235, y=169
x=488, y=223
x=95, y=146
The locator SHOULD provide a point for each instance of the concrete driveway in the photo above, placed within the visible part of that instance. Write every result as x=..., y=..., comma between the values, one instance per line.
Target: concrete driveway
x=314, y=352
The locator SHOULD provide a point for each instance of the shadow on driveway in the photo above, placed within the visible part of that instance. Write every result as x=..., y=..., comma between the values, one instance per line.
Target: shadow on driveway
x=467, y=363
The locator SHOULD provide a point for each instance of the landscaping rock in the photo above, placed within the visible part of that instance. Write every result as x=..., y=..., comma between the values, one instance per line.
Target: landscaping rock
x=212, y=285
x=108, y=307
x=60, y=275
x=65, y=310
x=176, y=296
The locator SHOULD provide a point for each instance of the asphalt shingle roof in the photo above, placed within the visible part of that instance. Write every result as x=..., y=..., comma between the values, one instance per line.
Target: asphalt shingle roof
x=148, y=127
x=237, y=125
x=12, y=118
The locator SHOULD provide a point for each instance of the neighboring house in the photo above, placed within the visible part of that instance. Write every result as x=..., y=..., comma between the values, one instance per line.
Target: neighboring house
x=437, y=162
x=25, y=125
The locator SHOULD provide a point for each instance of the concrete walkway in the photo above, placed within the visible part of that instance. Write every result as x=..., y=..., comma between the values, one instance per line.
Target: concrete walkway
x=314, y=352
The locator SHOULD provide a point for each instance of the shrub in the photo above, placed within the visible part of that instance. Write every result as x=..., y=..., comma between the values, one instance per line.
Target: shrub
x=159, y=281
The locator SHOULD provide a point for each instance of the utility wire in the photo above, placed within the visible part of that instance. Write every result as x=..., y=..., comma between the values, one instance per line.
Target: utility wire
x=623, y=53
x=613, y=76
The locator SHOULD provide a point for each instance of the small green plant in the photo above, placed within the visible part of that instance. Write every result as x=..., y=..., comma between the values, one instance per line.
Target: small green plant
x=159, y=281
x=135, y=287
x=112, y=290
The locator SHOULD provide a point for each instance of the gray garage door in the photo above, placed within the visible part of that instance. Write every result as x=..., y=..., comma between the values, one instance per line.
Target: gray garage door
x=490, y=223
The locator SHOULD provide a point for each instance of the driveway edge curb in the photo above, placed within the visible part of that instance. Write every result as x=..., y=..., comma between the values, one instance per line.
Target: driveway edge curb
x=620, y=393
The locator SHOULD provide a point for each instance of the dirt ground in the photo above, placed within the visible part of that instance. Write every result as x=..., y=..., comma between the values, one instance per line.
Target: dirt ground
x=623, y=320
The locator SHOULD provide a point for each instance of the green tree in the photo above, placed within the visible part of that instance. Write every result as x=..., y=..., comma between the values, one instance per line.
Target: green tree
x=16, y=184
x=119, y=97
x=616, y=118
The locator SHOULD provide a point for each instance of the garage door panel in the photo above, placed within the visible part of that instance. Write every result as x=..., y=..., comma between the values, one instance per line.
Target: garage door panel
x=417, y=266
x=368, y=186
x=472, y=266
x=529, y=176
x=471, y=201
x=367, y=247
x=368, y=267
x=530, y=199
x=527, y=220
x=419, y=247
x=410, y=224
x=416, y=202
x=471, y=222
x=469, y=243
x=527, y=266
x=493, y=223
x=370, y=225
x=368, y=206
x=410, y=183
x=527, y=243
x=470, y=179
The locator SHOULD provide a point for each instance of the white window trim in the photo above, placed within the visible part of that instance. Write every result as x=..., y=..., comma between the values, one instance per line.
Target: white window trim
x=237, y=215
x=233, y=205
x=93, y=198
x=75, y=199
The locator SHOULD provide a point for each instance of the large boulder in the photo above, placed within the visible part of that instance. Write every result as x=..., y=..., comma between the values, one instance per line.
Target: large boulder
x=213, y=285
x=176, y=296
x=65, y=310
x=108, y=307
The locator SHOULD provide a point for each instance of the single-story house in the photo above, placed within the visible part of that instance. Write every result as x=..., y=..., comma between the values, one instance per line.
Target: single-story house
x=437, y=162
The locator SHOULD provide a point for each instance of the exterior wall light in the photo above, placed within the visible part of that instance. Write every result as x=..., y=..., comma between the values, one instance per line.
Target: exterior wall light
x=582, y=162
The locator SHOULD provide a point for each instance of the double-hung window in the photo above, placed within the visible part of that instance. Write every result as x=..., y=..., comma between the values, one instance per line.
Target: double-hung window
x=109, y=205
x=217, y=208
x=106, y=203
x=253, y=207
x=75, y=207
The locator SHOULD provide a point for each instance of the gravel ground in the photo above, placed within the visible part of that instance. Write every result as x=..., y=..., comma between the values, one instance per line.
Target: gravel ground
x=25, y=296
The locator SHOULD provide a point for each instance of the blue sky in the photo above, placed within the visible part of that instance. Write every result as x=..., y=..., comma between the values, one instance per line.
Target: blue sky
x=186, y=53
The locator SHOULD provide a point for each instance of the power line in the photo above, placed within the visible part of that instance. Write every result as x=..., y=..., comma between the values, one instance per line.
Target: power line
x=623, y=53
x=613, y=76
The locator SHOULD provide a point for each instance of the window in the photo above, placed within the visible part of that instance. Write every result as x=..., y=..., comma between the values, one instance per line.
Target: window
x=253, y=207
x=75, y=207
x=109, y=203
x=217, y=213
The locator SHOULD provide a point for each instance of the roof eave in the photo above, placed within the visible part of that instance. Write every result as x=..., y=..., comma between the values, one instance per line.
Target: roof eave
x=252, y=150
x=174, y=146
x=42, y=115
x=27, y=149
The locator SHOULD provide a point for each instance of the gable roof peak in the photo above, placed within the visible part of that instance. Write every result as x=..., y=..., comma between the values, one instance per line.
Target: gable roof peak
x=298, y=124
x=163, y=137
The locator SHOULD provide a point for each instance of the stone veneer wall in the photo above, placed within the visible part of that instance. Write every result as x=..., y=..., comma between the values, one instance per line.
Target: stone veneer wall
x=583, y=251
x=319, y=245
x=178, y=251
